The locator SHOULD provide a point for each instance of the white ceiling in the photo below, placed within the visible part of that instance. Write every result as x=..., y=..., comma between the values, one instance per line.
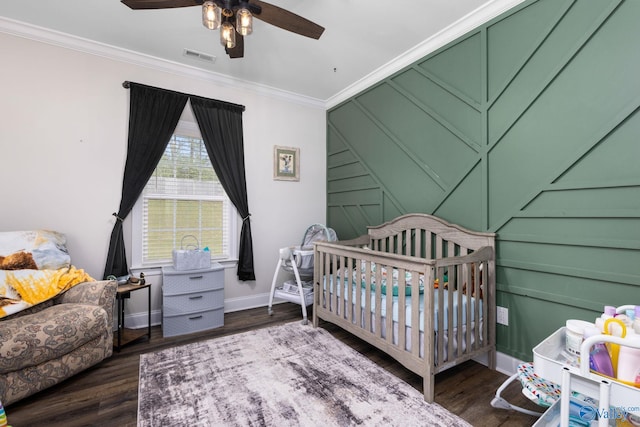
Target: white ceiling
x=360, y=36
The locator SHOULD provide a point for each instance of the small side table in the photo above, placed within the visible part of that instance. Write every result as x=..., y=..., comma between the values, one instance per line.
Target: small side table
x=125, y=336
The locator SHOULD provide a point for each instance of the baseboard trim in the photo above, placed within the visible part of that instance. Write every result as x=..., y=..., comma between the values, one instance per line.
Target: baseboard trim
x=139, y=320
x=245, y=303
x=506, y=364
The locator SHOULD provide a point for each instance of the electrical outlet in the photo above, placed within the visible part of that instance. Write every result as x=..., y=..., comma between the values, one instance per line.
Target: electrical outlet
x=502, y=316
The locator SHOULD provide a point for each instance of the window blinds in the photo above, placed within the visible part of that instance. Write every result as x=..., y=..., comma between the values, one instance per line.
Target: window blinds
x=182, y=200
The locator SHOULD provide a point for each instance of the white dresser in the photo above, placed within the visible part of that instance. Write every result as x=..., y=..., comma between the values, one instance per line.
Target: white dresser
x=192, y=300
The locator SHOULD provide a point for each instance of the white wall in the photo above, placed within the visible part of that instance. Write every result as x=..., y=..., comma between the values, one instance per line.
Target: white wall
x=63, y=136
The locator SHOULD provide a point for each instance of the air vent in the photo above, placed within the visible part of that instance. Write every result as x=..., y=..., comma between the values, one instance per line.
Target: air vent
x=199, y=55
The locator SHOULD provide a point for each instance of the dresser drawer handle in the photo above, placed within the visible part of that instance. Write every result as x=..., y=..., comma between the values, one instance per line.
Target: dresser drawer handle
x=197, y=297
x=195, y=317
x=195, y=277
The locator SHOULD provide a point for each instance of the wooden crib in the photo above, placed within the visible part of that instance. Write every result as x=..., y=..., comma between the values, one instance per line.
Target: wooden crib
x=441, y=273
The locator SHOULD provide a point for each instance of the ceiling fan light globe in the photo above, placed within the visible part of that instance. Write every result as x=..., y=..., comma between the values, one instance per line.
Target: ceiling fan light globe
x=227, y=35
x=244, y=21
x=210, y=15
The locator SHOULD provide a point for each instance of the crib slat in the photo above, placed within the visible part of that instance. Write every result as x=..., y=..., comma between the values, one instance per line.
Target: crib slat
x=337, y=284
x=482, y=278
x=470, y=279
x=463, y=327
x=348, y=286
x=476, y=309
x=367, y=298
x=402, y=320
x=333, y=303
x=332, y=280
x=438, y=247
x=327, y=272
x=389, y=302
x=453, y=284
x=440, y=310
x=437, y=310
x=428, y=320
x=344, y=287
x=377, y=325
x=428, y=238
x=358, y=292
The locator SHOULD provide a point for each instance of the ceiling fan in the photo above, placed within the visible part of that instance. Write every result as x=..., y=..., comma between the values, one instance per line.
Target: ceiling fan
x=235, y=19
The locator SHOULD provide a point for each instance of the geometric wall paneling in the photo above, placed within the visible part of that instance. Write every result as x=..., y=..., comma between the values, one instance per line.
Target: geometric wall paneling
x=558, y=226
x=508, y=54
x=447, y=107
x=390, y=209
x=568, y=290
x=528, y=127
x=417, y=134
x=589, y=262
x=614, y=160
x=459, y=66
x=596, y=155
x=587, y=202
x=531, y=86
x=465, y=203
x=349, y=219
x=525, y=157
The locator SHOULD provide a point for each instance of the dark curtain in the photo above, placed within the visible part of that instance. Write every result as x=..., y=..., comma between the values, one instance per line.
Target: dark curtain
x=220, y=124
x=153, y=116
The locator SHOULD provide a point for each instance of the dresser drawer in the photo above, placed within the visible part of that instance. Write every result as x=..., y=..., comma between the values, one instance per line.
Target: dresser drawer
x=194, y=301
x=192, y=281
x=192, y=322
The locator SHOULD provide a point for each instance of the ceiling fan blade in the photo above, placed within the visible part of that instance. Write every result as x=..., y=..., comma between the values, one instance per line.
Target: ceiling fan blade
x=238, y=51
x=286, y=20
x=160, y=4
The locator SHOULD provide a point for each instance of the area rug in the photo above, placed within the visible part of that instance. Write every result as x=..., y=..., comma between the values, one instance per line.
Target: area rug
x=289, y=375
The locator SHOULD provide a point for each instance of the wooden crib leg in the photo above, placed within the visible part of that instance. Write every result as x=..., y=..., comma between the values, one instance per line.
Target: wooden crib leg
x=428, y=385
x=316, y=303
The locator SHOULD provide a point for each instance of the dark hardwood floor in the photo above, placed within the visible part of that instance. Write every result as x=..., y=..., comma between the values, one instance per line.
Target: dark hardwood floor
x=107, y=394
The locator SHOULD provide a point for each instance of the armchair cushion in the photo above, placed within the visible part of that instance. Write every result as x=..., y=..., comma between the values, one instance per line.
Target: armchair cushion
x=31, y=340
x=52, y=341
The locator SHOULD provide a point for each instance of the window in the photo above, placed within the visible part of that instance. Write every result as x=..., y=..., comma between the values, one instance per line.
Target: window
x=182, y=200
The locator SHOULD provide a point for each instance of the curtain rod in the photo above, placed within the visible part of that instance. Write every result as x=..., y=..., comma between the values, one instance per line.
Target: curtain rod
x=127, y=85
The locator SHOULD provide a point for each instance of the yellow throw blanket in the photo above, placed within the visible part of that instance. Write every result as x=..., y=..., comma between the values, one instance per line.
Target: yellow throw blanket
x=21, y=289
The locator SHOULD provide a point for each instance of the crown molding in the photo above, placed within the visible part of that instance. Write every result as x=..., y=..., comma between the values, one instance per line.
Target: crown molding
x=64, y=40
x=464, y=25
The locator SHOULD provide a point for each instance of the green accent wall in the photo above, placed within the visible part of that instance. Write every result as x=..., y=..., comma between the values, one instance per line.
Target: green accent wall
x=528, y=127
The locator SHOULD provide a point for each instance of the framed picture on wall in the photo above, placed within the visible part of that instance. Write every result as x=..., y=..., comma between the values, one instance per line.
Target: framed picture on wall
x=286, y=166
